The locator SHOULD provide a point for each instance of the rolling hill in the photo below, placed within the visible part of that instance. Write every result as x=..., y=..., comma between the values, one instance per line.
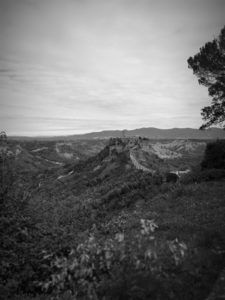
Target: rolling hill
x=150, y=132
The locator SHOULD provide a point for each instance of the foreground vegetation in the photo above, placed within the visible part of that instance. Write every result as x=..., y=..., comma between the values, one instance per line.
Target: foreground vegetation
x=127, y=236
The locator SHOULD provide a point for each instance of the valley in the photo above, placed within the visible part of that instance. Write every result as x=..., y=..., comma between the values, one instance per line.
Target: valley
x=38, y=155
x=95, y=215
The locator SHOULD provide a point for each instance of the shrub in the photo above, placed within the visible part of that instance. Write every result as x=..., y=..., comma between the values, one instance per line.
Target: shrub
x=214, y=157
x=116, y=268
x=17, y=235
x=203, y=175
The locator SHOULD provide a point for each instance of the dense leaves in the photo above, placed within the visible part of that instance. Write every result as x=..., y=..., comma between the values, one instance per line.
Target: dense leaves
x=118, y=268
x=16, y=229
x=209, y=66
x=214, y=155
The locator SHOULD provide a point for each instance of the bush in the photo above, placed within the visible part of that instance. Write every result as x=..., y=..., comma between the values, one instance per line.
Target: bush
x=203, y=175
x=17, y=236
x=117, y=268
x=214, y=157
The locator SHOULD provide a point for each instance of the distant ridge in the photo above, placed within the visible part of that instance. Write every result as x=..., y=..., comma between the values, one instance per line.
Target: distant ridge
x=150, y=132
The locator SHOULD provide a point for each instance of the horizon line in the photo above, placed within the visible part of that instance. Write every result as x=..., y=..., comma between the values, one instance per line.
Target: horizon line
x=105, y=130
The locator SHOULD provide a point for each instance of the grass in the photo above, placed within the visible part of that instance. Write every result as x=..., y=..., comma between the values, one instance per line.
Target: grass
x=195, y=214
x=191, y=213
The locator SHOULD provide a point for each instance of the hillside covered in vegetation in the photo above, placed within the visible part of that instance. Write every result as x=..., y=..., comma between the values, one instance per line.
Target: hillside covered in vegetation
x=111, y=224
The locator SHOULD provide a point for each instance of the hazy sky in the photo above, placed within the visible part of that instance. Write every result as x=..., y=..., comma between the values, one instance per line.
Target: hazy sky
x=73, y=66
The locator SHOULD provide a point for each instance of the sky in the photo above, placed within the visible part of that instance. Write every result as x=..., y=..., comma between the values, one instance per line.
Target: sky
x=76, y=66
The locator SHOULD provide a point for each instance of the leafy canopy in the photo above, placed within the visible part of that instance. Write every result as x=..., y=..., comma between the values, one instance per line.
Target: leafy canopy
x=209, y=66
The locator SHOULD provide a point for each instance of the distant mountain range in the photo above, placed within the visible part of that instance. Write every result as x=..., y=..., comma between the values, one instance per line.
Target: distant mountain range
x=150, y=132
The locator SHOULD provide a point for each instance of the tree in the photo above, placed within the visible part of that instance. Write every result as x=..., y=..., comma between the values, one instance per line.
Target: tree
x=209, y=66
x=214, y=157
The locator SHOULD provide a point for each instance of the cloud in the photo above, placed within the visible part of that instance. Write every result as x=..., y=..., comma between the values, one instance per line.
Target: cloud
x=116, y=62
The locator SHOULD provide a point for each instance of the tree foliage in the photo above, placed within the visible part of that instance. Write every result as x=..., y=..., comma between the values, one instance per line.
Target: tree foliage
x=214, y=157
x=209, y=66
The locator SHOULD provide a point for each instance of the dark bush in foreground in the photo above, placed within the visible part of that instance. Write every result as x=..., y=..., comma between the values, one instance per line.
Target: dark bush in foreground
x=203, y=175
x=214, y=157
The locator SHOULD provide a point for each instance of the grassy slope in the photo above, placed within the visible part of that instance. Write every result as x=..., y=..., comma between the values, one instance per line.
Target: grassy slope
x=191, y=213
